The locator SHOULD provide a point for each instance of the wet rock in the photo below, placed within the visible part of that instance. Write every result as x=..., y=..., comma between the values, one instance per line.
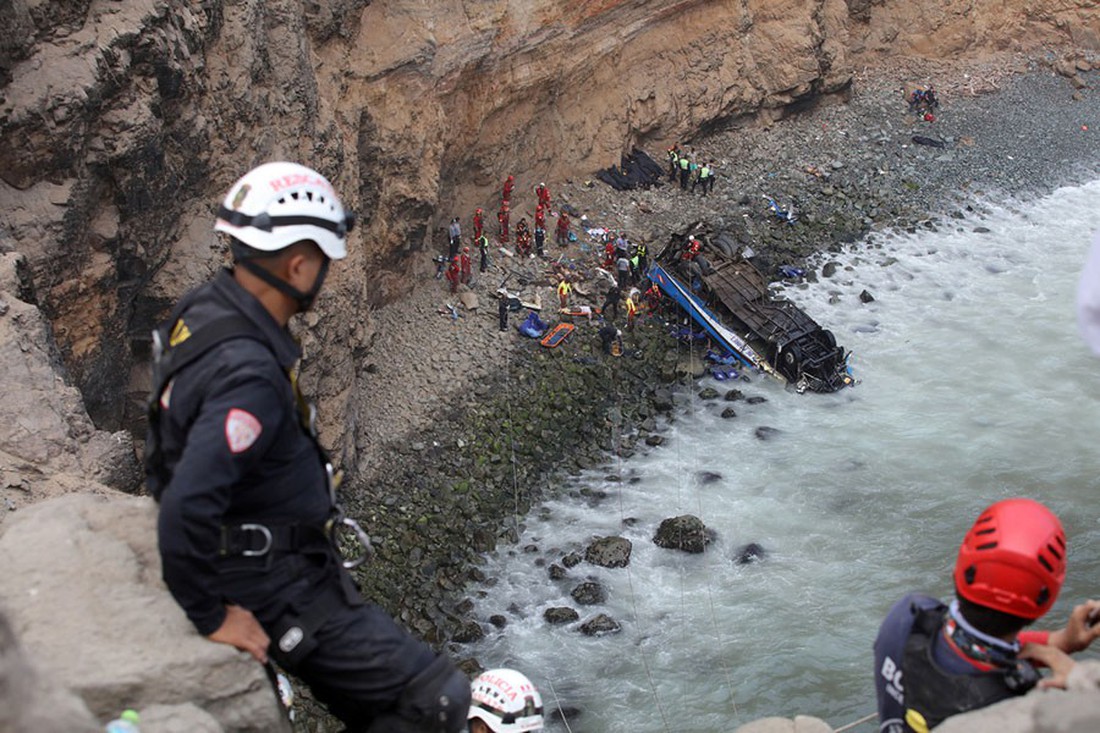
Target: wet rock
x=733, y=395
x=654, y=440
x=766, y=433
x=609, y=552
x=560, y=615
x=708, y=393
x=557, y=572
x=750, y=553
x=571, y=560
x=728, y=413
x=467, y=632
x=755, y=400
x=866, y=297
x=830, y=269
x=980, y=230
x=708, y=477
x=686, y=532
x=600, y=625
x=498, y=620
x=589, y=593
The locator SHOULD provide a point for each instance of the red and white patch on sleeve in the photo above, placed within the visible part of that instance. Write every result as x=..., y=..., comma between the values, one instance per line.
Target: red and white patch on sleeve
x=241, y=430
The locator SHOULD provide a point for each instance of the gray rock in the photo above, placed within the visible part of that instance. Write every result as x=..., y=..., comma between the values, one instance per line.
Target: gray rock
x=89, y=564
x=750, y=553
x=654, y=440
x=733, y=395
x=589, y=593
x=866, y=297
x=498, y=620
x=728, y=413
x=572, y=560
x=560, y=615
x=30, y=701
x=755, y=400
x=600, y=626
x=686, y=532
x=766, y=433
x=708, y=393
x=708, y=477
x=468, y=632
x=609, y=552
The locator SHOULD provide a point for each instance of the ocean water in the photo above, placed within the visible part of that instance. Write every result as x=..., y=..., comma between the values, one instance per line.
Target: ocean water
x=975, y=386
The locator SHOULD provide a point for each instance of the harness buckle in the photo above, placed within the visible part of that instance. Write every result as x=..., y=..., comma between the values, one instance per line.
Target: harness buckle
x=269, y=541
x=341, y=523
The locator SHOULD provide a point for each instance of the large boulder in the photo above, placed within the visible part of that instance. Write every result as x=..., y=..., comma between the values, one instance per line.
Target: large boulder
x=609, y=552
x=686, y=532
x=31, y=702
x=83, y=593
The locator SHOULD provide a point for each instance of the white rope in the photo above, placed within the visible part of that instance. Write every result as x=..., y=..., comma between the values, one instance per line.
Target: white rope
x=707, y=559
x=616, y=445
x=557, y=701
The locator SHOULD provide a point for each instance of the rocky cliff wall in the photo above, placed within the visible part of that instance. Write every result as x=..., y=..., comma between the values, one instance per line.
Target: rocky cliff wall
x=122, y=122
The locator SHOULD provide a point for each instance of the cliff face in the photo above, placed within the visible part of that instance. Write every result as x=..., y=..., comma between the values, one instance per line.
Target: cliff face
x=122, y=123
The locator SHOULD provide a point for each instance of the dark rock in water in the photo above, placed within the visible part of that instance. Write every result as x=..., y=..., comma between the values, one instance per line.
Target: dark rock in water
x=708, y=477
x=470, y=667
x=829, y=269
x=750, y=553
x=560, y=615
x=765, y=433
x=515, y=610
x=686, y=532
x=589, y=593
x=734, y=394
x=634, y=480
x=609, y=552
x=498, y=620
x=464, y=606
x=600, y=625
x=755, y=400
x=477, y=575
x=662, y=400
x=654, y=440
x=980, y=230
x=566, y=714
x=557, y=572
x=708, y=393
x=866, y=297
x=469, y=631
x=630, y=521
x=572, y=560
x=729, y=412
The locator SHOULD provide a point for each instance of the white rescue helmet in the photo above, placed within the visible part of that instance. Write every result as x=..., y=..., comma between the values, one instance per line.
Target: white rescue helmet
x=277, y=204
x=506, y=701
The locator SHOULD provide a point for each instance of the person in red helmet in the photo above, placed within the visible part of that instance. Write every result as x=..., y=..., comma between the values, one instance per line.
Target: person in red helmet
x=502, y=218
x=479, y=224
x=935, y=660
x=466, y=266
x=506, y=192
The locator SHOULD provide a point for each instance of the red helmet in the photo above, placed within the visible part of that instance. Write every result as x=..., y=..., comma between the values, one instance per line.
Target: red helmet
x=478, y=211
x=1013, y=559
x=465, y=249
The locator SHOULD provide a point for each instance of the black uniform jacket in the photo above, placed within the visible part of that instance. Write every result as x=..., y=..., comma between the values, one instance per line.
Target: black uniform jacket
x=237, y=453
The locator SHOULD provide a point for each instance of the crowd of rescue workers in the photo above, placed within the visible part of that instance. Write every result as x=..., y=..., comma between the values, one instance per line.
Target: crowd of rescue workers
x=252, y=536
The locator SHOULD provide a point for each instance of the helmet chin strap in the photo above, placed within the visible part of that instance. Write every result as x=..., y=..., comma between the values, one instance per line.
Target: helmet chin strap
x=305, y=300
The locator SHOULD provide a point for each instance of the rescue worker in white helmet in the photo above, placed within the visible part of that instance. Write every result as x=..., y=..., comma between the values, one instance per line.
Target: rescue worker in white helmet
x=504, y=701
x=248, y=512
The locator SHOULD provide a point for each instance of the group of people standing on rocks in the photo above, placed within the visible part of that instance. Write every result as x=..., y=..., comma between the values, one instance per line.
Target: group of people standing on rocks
x=687, y=167
x=253, y=541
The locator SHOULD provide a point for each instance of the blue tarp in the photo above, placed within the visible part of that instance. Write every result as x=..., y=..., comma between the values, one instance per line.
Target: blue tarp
x=532, y=326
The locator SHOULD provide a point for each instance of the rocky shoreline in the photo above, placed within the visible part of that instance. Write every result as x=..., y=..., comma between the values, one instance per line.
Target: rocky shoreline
x=473, y=427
